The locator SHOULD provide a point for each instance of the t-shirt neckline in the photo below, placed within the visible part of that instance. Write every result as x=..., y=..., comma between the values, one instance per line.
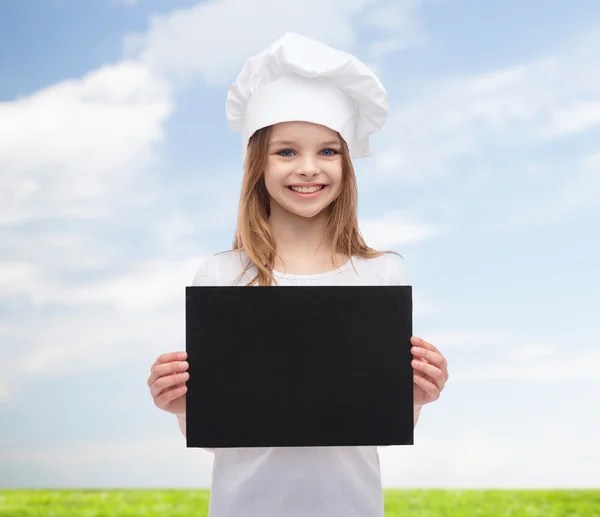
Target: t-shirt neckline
x=313, y=276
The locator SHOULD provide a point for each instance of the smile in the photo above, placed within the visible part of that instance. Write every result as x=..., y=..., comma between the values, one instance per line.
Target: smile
x=307, y=190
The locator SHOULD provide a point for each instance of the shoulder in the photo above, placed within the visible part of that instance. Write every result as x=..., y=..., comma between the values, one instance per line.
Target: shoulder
x=386, y=269
x=222, y=268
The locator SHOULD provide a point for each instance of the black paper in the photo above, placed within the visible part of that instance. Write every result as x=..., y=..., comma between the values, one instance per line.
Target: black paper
x=299, y=366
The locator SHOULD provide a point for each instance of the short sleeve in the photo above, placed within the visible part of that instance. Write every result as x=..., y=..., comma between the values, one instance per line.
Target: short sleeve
x=395, y=271
x=207, y=273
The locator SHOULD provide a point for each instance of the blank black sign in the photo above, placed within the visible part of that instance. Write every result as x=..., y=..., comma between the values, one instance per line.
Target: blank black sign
x=299, y=366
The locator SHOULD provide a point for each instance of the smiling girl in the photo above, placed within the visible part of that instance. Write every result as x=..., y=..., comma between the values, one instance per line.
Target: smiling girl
x=305, y=111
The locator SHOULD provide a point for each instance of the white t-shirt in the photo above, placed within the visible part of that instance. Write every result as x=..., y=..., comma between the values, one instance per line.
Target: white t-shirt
x=299, y=481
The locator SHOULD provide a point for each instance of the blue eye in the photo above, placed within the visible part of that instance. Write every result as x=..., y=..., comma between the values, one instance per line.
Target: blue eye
x=287, y=156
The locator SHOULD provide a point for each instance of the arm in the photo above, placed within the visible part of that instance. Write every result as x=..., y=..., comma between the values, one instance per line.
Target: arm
x=417, y=415
x=181, y=422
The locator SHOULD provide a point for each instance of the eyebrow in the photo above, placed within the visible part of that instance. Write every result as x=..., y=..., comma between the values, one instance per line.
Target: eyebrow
x=291, y=142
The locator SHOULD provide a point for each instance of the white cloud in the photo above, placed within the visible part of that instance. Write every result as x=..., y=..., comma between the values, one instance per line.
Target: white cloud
x=172, y=230
x=30, y=258
x=142, y=286
x=469, y=132
x=465, y=116
x=4, y=391
x=83, y=340
x=383, y=47
x=398, y=17
x=146, y=286
x=575, y=118
x=548, y=368
x=504, y=355
x=582, y=188
x=102, y=323
x=463, y=458
x=396, y=229
x=207, y=39
x=15, y=274
x=469, y=454
x=75, y=150
x=509, y=357
x=392, y=15
x=72, y=148
x=558, y=192
x=157, y=461
x=467, y=339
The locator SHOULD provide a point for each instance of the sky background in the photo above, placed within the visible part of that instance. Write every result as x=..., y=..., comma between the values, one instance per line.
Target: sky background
x=118, y=175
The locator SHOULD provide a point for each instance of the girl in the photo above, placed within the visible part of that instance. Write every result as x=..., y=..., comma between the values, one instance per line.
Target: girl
x=297, y=225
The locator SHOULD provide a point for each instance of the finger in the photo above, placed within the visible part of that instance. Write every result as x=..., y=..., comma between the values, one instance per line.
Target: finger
x=430, y=356
x=170, y=388
x=164, y=359
x=426, y=354
x=164, y=370
x=438, y=362
x=428, y=386
x=168, y=357
x=436, y=375
x=167, y=382
x=417, y=341
x=163, y=400
x=165, y=396
x=161, y=370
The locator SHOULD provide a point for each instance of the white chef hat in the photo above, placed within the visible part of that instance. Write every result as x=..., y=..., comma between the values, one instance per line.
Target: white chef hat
x=300, y=79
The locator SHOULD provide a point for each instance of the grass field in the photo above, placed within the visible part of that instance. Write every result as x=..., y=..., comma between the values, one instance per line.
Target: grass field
x=398, y=503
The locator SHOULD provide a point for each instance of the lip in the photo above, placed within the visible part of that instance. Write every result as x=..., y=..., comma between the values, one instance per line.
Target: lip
x=306, y=185
x=307, y=195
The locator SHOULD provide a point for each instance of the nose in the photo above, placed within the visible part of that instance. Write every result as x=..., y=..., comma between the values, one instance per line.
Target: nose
x=308, y=168
x=308, y=173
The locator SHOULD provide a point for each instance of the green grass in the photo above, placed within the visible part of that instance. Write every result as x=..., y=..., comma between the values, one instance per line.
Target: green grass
x=398, y=503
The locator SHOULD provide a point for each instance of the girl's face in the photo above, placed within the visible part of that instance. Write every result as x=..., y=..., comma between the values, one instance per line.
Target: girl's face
x=303, y=173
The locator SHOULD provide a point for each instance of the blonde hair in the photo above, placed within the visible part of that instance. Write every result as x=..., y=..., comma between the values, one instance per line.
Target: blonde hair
x=253, y=233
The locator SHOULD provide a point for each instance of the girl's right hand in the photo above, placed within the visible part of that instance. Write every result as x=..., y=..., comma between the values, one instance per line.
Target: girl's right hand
x=167, y=380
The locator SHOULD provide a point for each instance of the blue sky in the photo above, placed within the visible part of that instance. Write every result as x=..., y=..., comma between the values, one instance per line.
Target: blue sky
x=119, y=176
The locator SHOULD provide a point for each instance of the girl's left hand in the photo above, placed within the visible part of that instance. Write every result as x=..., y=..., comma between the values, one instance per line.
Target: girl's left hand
x=430, y=370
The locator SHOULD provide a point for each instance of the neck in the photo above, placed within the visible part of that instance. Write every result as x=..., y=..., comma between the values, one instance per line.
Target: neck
x=299, y=239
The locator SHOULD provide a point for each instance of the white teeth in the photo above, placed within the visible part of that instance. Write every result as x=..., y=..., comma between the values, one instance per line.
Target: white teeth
x=307, y=190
